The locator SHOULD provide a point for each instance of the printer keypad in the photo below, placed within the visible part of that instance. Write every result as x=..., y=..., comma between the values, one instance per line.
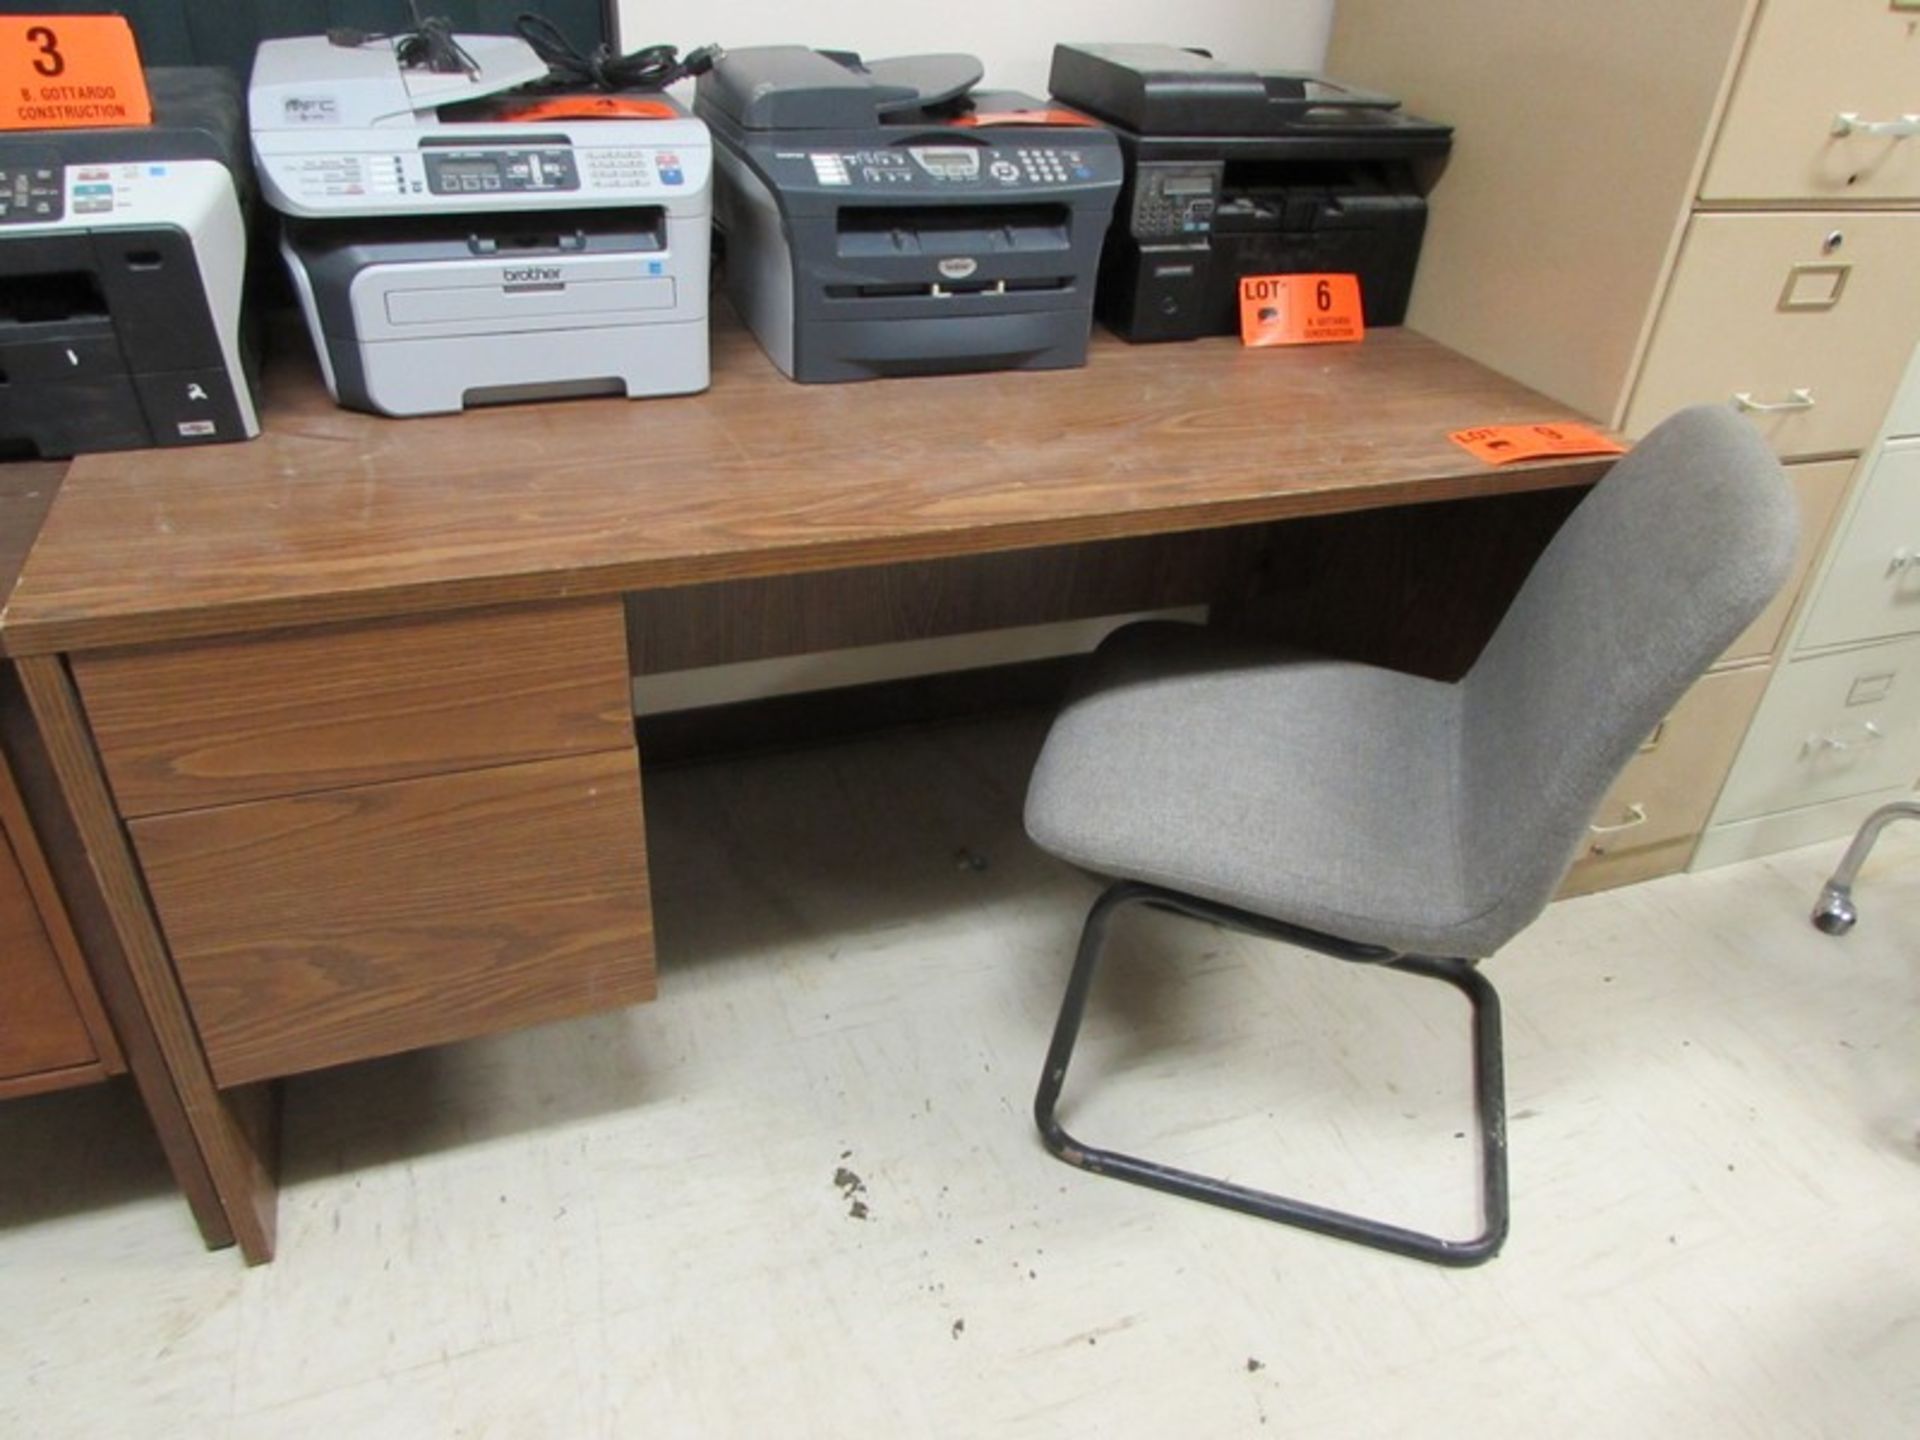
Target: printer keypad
x=1043, y=167
x=622, y=169
x=31, y=195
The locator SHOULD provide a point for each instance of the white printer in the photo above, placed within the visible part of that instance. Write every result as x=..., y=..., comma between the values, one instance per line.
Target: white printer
x=452, y=245
x=123, y=255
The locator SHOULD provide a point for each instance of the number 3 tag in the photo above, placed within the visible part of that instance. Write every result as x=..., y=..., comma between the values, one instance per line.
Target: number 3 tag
x=1300, y=309
x=65, y=72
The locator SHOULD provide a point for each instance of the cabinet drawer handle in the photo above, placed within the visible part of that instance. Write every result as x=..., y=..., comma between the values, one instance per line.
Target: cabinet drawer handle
x=1848, y=122
x=1870, y=732
x=1801, y=399
x=1636, y=815
x=1904, y=558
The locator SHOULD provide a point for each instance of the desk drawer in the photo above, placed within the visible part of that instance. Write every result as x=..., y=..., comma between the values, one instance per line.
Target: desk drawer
x=1807, y=62
x=216, y=722
x=40, y=1025
x=1774, y=307
x=1872, y=588
x=319, y=929
x=1832, y=726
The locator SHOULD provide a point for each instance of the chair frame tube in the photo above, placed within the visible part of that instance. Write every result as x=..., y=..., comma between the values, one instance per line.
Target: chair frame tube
x=1488, y=1085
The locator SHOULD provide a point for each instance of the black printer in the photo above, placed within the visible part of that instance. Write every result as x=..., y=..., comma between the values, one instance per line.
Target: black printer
x=1232, y=173
x=884, y=218
x=122, y=266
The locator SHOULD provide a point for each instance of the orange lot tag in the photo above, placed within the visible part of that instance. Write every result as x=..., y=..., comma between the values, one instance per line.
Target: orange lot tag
x=1300, y=309
x=66, y=72
x=1499, y=444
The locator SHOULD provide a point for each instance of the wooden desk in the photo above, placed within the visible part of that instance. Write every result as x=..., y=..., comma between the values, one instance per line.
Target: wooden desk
x=349, y=702
x=54, y=1028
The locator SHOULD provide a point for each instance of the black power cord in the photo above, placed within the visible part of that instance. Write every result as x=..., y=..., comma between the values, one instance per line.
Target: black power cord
x=428, y=46
x=653, y=68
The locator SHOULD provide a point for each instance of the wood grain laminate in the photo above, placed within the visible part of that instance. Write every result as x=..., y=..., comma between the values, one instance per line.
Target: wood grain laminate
x=217, y=722
x=735, y=620
x=318, y=929
x=78, y=898
x=334, y=516
x=219, y=1146
x=40, y=1026
x=24, y=842
x=45, y=1082
x=1417, y=590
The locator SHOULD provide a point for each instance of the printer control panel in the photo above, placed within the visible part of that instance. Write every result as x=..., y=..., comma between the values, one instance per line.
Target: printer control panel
x=944, y=167
x=1175, y=202
x=31, y=194
x=466, y=177
x=467, y=172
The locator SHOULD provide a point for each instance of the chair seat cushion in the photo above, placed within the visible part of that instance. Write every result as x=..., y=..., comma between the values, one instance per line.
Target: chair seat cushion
x=1314, y=791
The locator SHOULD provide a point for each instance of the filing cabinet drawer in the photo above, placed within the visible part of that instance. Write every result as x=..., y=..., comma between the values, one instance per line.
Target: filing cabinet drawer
x=1819, y=485
x=1809, y=61
x=1668, y=790
x=1776, y=308
x=1903, y=418
x=1832, y=726
x=222, y=721
x=1872, y=587
x=318, y=929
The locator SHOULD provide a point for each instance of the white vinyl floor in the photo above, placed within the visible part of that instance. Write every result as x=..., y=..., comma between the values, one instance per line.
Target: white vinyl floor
x=801, y=1195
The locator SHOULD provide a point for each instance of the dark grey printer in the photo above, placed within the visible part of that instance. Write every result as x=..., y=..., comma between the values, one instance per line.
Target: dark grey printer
x=884, y=219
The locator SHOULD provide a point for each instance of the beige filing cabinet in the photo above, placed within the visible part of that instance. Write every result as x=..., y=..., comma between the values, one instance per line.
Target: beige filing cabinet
x=1838, y=730
x=1653, y=205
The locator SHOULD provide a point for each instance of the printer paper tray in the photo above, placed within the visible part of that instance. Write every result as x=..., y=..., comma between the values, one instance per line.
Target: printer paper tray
x=490, y=304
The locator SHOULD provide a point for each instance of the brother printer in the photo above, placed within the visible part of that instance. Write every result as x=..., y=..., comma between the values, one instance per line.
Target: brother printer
x=883, y=219
x=122, y=263
x=1232, y=173
x=453, y=243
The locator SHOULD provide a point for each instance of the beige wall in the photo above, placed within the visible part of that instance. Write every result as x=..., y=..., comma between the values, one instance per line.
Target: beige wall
x=1014, y=37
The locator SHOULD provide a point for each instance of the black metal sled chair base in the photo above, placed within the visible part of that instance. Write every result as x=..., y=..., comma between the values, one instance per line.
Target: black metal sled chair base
x=1488, y=1083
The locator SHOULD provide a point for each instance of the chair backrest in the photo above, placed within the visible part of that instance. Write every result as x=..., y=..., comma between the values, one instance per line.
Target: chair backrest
x=1674, y=552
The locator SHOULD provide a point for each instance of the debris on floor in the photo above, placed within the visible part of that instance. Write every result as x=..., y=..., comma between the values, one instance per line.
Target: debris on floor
x=851, y=1187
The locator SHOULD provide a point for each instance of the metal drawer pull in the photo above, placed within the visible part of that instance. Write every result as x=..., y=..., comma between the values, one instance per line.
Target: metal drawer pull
x=1828, y=742
x=1637, y=815
x=1903, y=559
x=1848, y=122
x=1801, y=399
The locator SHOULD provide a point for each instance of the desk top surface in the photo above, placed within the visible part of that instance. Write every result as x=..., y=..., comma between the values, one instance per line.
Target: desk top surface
x=334, y=516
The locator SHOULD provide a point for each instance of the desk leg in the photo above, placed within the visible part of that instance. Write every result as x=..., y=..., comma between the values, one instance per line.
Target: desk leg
x=233, y=1131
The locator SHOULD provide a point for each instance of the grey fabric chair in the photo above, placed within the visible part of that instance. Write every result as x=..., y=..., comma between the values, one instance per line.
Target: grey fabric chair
x=1381, y=818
